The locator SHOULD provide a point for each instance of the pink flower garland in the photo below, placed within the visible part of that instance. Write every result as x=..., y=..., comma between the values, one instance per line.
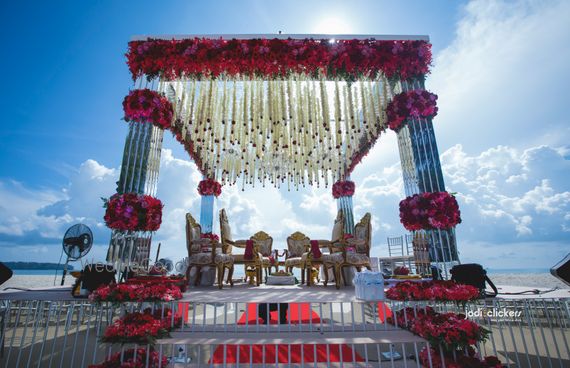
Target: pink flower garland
x=412, y=104
x=428, y=211
x=140, y=292
x=442, y=291
x=146, y=106
x=209, y=187
x=131, y=211
x=270, y=58
x=343, y=188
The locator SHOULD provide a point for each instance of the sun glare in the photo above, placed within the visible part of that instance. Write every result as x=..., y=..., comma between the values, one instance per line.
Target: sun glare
x=332, y=25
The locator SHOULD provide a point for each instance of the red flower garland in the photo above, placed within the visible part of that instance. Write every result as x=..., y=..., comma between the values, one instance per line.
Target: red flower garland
x=271, y=58
x=145, y=292
x=412, y=104
x=433, y=359
x=428, y=211
x=449, y=330
x=442, y=291
x=131, y=211
x=129, y=361
x=343, y=188
x=144, y=105
x=209, y=187
x=141, y=328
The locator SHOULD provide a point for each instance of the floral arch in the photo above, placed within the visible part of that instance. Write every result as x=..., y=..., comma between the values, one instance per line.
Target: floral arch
x=288, y=111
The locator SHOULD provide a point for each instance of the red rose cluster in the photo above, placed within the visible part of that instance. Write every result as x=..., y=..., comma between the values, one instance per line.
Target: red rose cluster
x=450, y=330
x=146, y=106
x=428, y=211
x=211, y=236
x=131, y=358
x=209, y=187
x=462, y=360
x=140, y=292
x=272, y=58
x=343, y=188
x=141, y=328
x=401, y=271
x=131, y=211
x=412, y=104
x=443, y=291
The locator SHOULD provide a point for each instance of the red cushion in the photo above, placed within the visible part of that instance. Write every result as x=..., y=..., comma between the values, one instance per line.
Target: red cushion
x=248, y=253
x=315, y=250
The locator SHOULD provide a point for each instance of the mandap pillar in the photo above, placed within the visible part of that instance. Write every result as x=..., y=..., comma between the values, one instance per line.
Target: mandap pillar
x=139, y=174
x=343, y=192
x=421, y=171
x=208, y=189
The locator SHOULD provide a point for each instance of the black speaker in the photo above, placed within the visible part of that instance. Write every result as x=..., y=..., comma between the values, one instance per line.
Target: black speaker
x=5, y=273
x=562, y=270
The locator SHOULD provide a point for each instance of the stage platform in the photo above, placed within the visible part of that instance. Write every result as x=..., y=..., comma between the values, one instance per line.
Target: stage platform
x=244, y=293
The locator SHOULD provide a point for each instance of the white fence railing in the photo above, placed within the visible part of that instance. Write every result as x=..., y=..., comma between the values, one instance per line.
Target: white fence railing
x=525, y=333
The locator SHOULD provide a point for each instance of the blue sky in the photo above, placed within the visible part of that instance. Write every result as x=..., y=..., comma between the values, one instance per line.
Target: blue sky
x=500, y=70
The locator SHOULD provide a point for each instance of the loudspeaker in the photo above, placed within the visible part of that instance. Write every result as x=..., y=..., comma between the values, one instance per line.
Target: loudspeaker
x=562, y=270
x=5, y=273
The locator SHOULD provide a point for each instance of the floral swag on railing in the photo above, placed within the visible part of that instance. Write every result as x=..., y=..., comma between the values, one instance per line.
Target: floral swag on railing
x=412, y=104
x=345, y=188
x=146, y=106
x=134, y=212
x=349, y=59
x=429, y=211
x=209, y=187
x=140, y=292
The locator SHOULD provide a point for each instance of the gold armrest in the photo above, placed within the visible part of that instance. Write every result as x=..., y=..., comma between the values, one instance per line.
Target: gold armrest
x=239, y=243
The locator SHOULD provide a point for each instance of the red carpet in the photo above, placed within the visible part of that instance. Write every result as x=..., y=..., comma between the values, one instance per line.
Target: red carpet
x=298, y=313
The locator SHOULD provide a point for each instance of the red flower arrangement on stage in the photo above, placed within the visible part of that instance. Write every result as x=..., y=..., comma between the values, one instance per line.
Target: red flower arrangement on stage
x=428, y=211
x=131, y=211
x=412, y=104
x=450, y=330
x=401, y=271
x=142, y=328
x=211, y=236
x=271, y=58
x=146, y=106
x=343, y=188
x=442, y=291
x=209, y=187
x=132, y=358
x=140, y=292
x=462, y=360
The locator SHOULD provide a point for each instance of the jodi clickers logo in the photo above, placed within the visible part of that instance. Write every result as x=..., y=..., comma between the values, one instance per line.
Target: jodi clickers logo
x=495, y=313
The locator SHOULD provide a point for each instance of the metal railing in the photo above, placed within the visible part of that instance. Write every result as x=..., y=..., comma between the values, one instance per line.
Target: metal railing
x=525, y=333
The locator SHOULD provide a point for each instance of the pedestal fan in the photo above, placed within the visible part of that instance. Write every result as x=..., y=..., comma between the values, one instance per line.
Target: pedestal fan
x=77, y=242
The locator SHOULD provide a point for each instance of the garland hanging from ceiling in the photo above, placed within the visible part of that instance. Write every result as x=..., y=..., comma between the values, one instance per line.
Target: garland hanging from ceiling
x=285, y=112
